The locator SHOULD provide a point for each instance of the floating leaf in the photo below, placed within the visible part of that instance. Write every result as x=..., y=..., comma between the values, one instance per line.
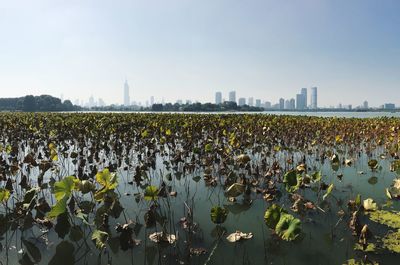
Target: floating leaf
x=237, y=236
x=288, y=227
x=218, y=215
x=151, y=193
x=235, y=190
x=160, y=237
x=291, y=181
x=100, y=238
x=387, y=218
x=316, y=176
x=4, y=195
x=373, y=164
x=392, y=242
x=273, y=215
x=370, y=205
x=328, y=191
x=373, y=180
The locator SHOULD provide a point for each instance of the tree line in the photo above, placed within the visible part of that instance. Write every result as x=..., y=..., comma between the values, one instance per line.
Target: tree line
x=36, y=103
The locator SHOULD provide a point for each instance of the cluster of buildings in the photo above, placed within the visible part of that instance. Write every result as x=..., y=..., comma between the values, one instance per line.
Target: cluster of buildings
x=298, y=103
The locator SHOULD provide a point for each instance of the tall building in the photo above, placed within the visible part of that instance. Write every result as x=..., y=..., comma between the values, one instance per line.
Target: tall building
x=232, y=96
x=299, y=102
x=267, y=105
x=127, y=100
x=281, y=103
x=241, y=101
x=292, y=104
x=258, y=103
x=314, y=98
x=304, y=93
x=218, y=98
x=250, y=101
x=365, y=105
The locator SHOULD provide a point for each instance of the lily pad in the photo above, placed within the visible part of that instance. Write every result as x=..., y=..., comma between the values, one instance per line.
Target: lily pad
x=292, y=181
x=288, y=227
x=235, y=190
x=373, y=180
x=218, y=215
x=391, y=219
x=273, y=215
x=370, y=205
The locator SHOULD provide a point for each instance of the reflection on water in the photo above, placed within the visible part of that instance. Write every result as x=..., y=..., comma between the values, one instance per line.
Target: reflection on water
x=326, y=238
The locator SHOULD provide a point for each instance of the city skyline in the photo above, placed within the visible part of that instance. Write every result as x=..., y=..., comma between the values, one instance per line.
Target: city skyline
x=167, y=50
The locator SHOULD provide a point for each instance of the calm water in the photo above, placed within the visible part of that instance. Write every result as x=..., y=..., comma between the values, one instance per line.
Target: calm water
x=327, y=240
x=293, y=113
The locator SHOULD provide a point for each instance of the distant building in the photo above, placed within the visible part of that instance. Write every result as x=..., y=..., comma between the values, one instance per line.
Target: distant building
x=251, y=101
x=242, y=101
x=258, y=103
x=267, y=105
x=218, y=98
x=126, y=94
x=389, y=106
x=101, y=102
x=304, y=93
x=299, y=102
x=292, y=104
x=314, y=98
x=232, y=96
x=365, y=105
x=281, y=103
x=151, y=101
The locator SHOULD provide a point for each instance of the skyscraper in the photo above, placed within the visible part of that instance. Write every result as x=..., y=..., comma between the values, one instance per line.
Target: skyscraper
x=242, y=101
x=232, y=96
x=218, y=98
x=299, y=102
x=258, y=103
x=314, y=98
x=281, y=103
x=250, y=101
x=304, y=93
x=127, y=101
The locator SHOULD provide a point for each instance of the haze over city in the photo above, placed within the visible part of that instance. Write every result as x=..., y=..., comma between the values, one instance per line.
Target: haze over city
x=175, y=50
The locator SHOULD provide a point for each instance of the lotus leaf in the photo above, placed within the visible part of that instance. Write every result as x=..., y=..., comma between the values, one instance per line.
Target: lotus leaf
x=292, y=181
x=288, y=227
x=235, y=190
x=237, y=236
x=100, y=238
x=218, y=215
x=370, y=205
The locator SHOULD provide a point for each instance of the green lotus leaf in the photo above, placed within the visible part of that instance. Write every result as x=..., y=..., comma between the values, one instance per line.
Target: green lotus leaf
x=328, y=191
x=273, y=215
x=288, y=227
x=4, y=195
x=218, y=215
x=292, y=181
x=151, y=193
x=100, y=239
x=64, y=187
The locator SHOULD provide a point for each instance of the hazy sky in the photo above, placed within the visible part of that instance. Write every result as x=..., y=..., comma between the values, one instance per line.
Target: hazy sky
x=188, y=49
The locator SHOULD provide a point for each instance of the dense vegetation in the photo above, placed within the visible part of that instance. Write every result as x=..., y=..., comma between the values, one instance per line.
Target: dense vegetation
x=36, y=103
x=95, y=180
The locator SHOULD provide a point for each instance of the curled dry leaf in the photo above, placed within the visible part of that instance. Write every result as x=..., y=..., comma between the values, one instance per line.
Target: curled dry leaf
x=160, y=237
x=237, y=236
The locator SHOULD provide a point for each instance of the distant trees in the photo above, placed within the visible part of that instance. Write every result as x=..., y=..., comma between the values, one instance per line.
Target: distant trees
x=29, y=103
x=206, y=107
x=36, y=103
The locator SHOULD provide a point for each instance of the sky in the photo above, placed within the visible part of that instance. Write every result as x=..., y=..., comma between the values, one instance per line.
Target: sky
x=189, y=49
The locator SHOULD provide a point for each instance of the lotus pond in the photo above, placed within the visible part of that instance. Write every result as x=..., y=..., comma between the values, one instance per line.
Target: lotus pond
x=198, y=189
